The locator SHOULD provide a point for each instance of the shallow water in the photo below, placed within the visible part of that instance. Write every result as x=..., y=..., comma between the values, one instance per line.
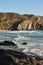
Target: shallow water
x=34, y=40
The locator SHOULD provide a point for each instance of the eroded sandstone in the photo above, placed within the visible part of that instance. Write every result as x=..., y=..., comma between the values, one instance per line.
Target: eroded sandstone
x=14, y=21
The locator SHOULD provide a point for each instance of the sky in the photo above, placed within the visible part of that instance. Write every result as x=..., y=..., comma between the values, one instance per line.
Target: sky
x=22, y=6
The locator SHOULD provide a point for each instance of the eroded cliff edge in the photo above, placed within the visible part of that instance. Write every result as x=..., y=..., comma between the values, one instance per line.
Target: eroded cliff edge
x=14, y=21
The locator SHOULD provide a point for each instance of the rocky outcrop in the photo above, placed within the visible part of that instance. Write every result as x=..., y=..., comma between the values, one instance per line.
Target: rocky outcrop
x=7, y=43
x=34, y=23
x=12, y=57
x=14, y=21
x=24, y=43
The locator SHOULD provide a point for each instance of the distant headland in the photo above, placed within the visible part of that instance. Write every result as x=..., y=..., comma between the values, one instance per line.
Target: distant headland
x=17, y=22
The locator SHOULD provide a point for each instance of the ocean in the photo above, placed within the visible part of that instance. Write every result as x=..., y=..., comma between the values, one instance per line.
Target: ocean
x=34, y=40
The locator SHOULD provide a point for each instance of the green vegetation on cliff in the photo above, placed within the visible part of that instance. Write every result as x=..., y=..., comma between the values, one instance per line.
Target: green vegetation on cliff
x=14, y=21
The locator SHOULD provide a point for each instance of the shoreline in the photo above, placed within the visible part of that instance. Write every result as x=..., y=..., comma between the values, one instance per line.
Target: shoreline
x=19, y=31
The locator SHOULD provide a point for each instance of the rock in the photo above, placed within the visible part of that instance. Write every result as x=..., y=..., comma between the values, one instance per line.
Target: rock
x=24, y=43
x=7, y=43
x=14, y=21
x=31, y=24
x=13, y=57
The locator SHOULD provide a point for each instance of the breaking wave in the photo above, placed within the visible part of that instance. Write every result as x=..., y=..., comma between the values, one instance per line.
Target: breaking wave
x=34, y=40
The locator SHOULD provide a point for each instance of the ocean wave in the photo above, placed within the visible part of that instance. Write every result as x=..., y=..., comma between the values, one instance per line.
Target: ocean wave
x=34, y=40
x=34, y=51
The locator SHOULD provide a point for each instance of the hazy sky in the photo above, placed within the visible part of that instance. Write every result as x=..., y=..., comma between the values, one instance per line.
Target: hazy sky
x=22, y=6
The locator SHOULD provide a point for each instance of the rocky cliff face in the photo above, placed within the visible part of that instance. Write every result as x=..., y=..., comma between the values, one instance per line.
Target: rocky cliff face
x=14, y=21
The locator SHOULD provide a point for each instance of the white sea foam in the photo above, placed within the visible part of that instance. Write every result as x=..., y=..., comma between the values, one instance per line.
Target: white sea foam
x=34, y=40
x=37, y=51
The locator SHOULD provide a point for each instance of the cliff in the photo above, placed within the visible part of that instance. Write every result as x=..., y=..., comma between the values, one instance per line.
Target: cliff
x=14, y=21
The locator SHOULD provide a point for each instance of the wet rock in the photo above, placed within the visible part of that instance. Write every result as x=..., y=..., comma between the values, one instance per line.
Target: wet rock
x=7, y=43
x=24, y=43
x=13, y=57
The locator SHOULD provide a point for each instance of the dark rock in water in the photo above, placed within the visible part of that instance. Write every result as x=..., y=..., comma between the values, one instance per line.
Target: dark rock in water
x=24, y=43
x=12, y=57
x=7, y=43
